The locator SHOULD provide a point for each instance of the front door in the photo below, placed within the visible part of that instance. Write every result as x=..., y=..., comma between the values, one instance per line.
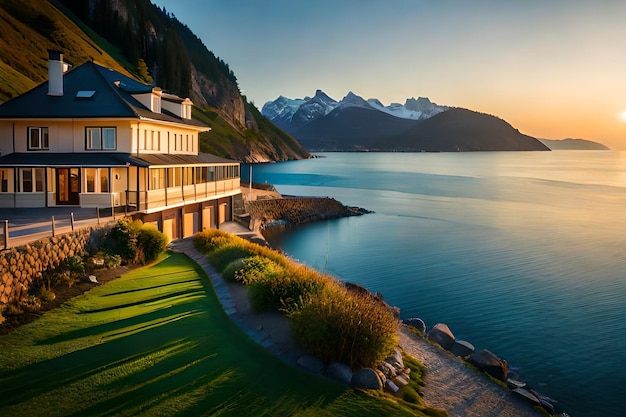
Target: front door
x=68, y=186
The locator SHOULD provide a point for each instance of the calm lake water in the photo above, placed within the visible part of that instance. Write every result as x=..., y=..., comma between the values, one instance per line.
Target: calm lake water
x=521, y=253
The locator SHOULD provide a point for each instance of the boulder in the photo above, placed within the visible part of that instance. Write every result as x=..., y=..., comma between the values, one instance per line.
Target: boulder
x=442, y=335
x=381, y=377
x=391, y=387
x=461, y=348
x=395, y=359
x=488, y=362
x=340, y=371
x=418, y=323
x=311, y=364
x=401, y=380
x=527, y=395
x=366, y=378
x=387, y=369
x=514, y=383
x=546, y=402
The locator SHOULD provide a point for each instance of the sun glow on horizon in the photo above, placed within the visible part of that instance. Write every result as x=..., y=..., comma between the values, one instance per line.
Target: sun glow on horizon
x=622, y=116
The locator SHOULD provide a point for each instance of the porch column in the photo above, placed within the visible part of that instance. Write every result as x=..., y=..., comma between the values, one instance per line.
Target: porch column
x=45, y=188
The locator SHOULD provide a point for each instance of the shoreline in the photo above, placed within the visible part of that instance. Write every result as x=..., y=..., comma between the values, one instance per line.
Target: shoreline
x=512, y=401
x=449, y=383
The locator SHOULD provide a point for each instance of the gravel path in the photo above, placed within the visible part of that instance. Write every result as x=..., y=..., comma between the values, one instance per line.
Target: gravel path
x=451, y=385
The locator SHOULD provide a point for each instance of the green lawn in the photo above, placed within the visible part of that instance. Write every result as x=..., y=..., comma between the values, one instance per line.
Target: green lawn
x=156, y=342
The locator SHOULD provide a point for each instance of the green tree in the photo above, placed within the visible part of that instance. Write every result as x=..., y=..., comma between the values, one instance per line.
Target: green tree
x=142, y=71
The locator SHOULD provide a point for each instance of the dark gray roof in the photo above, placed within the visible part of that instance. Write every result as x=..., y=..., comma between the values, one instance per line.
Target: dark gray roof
x=105, y=159
x=166, y=159
x=108, y=101
x=87, y=159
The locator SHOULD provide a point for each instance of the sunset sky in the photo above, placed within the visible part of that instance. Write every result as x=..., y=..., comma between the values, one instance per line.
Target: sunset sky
x=551, y=68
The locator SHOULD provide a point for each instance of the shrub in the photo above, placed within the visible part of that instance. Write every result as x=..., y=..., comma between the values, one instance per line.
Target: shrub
x=151, y=242
x=348, y=327
x=255, y=268
x=97, y=240
x=45, y=294
x=123, y=237
x=134, y=241
x=66, y=273
x=288, y=290
x=225, y=254
x=231, y=269
x=210, y=239
x=72, y=264
x=102, y=260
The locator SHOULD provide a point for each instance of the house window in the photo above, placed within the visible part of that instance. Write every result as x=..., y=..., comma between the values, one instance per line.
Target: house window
x=157, y=178
x=4, y=180
x=32, y=180
x=37, y=138
x=173, y=177
x=100, y=138
x=104, y=180
x=220, y=173
x=108, y=138
x=90, y=173
x=202, y=175
x=188, y=176
x=157, y=145
x=232, y=171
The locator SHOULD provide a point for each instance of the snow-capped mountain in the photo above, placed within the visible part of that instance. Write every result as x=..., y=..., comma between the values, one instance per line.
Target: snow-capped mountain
x=281, y=110
x=418, y=125
x=291, y=114
x=352, y=100
x=419, y=109
x=312, y=108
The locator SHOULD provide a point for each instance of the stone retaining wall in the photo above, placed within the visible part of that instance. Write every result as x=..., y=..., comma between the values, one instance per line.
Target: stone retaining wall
x=22, y=265
x=285, y=211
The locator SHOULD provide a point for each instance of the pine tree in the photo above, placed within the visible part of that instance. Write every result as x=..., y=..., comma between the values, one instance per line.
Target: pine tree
x=142, y=71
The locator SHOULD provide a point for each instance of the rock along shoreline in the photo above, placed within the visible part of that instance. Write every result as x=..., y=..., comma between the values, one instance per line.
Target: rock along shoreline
x=291, y=211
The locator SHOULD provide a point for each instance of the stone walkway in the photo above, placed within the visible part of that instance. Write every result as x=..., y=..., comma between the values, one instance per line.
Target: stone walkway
x=224, y=296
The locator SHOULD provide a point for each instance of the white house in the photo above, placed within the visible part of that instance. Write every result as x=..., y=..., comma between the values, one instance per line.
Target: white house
x=92, y=137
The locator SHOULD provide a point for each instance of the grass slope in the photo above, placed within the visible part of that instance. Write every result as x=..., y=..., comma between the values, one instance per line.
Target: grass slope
x=27, y=30
x=156, y=342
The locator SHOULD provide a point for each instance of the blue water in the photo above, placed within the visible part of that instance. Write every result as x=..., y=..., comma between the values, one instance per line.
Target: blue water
x=521, y=253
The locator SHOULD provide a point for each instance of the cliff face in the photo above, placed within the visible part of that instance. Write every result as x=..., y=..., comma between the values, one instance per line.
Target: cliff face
x=224, y=96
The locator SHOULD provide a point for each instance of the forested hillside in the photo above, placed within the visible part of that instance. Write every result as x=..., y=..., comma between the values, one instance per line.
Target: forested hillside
x=136, y=37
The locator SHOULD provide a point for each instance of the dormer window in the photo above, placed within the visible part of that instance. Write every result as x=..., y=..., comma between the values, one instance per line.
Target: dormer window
x=156, y=104
x=186, y=111
x=155, y=100
x=38, y=138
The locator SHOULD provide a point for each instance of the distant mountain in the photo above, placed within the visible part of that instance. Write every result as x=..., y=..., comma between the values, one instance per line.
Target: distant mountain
x=462, y=130
x=574, y=144
x=321, y=123
x=292, y=114
x=349, y=128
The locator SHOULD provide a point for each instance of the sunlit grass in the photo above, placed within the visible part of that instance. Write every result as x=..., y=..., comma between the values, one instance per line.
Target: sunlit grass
x=156, y=342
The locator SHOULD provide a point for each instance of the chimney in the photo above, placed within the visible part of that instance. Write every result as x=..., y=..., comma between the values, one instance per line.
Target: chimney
x=55, y=73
